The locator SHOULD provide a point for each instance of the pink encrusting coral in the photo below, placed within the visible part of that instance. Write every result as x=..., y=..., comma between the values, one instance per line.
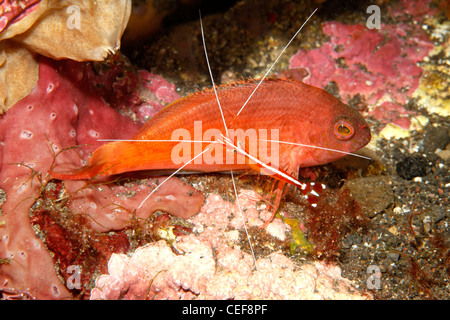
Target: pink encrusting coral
x=211, y=264
x=377, y=63
x=404, y=10
x=389, y=112
x=160, y=90
x=115, y=207
x=63, y=110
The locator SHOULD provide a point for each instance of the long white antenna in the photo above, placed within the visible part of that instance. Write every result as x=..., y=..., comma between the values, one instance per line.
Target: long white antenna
x=315, y=147
x=165, y=140
x=211, y=75
x=179, y=169
x=226, y=135
x=272, y=169
x=276, y=60
x=221, y=142
x=246, y=231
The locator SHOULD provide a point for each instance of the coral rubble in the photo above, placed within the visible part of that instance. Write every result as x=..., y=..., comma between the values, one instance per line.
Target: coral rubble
x=211, y=264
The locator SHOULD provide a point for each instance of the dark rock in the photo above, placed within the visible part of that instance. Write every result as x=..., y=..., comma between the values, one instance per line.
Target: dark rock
x=435, y=138
x=413, y=166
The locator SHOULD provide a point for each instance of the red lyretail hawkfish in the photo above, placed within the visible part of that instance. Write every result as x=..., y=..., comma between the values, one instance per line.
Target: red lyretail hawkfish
x=271, y=126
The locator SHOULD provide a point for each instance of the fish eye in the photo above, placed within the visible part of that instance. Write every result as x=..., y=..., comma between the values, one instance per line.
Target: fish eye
x=343, y=130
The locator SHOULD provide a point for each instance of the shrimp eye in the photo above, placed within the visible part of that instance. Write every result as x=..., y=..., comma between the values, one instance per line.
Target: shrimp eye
x=343, y=130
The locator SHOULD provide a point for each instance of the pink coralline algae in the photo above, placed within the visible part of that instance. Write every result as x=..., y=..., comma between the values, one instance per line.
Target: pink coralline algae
x=210, y=264
x=389, y=112
x=65, y=110
x=161, y=93
x=418, y=9
x=375, y=64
